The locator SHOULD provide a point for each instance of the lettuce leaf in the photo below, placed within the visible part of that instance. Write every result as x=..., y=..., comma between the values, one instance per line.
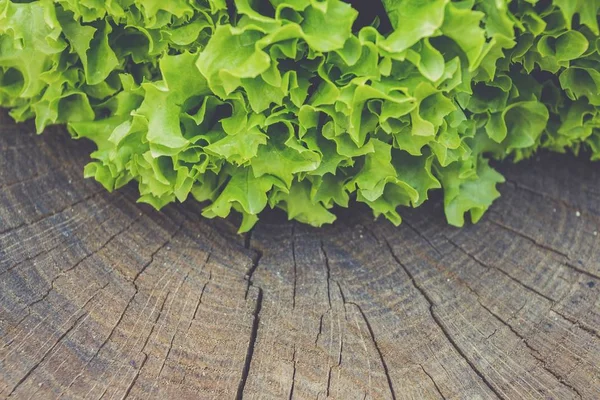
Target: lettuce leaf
x=305, y=105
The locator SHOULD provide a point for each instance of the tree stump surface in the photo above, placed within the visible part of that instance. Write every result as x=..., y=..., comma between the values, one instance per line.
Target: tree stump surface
x=103, y=298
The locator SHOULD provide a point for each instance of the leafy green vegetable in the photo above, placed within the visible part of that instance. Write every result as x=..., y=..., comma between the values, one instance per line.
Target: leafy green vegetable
x=306, y=104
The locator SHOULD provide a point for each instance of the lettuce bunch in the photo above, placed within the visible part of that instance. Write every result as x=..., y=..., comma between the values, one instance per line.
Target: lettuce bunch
x=306, y=104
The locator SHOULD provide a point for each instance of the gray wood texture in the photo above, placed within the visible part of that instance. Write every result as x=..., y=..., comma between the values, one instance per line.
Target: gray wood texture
x=103, y=298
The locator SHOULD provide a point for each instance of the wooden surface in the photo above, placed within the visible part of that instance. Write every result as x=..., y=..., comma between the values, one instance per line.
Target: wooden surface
x=104, y=298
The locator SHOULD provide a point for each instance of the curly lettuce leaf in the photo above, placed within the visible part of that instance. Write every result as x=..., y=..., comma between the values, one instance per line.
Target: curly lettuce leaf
x=307, y=105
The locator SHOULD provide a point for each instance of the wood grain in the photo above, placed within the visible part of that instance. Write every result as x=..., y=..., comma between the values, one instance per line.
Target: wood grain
x=104, y=298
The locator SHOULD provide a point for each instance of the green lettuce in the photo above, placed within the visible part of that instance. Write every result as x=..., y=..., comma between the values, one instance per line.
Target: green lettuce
x=305, y=105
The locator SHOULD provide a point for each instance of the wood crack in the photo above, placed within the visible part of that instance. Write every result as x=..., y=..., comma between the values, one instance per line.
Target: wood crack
x=534, y=353
x=80, y=308
x=135, y=378
x=529, y=239
x=327, y=391
x=135, y=285
x=578, y=324
x=328, y=273
x=122, y=315
x=160, y=311
x=377, y=348
x=139, y=370
x=36, y=365
x=425, y=238
x=320, y=329
x=66, y=271
x=291, y=395
x=104, y=343
x=39, y=174
x=294, y=266
x=31, y=257
x=512, y=278
x=164, y=361
x=251, y=345
x=199, y=300
x=257, y=255
x=566, y=204
x=153, y=254
x=367, y=323
x=255, y=260
x=568, y=261
x=15, y=327
x=439, y=323
x=437, y=389
x=5, y=232
x=373, y=339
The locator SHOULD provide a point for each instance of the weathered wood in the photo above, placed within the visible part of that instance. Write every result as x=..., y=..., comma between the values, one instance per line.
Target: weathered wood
x=101, y=297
